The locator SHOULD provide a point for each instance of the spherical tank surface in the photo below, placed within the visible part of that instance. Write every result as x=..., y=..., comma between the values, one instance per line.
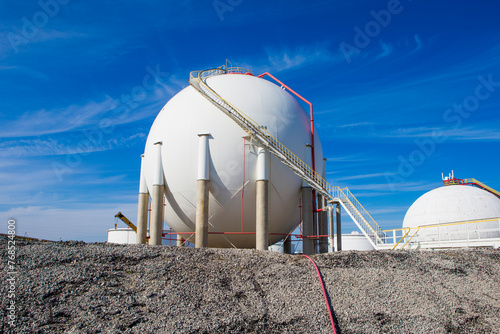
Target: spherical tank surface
x=232, y=159
x=450, y=204
x=453, y=203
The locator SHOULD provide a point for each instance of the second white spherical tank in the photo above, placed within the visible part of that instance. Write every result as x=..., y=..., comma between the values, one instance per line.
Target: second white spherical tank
x=451, y=204
x=232, y=158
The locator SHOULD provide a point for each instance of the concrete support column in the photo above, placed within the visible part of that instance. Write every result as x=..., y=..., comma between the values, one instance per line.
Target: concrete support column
x=262, y=201
x=156, y=223
x=322, y=226
x=143, y=204
x=339, y=229
x=202, y=195
x=323, y=217
x=180, y=241
x=287, y=245
x=315, y=231
x=201, y=237
x=307, y=221
x=331, y=246
x=307, y=209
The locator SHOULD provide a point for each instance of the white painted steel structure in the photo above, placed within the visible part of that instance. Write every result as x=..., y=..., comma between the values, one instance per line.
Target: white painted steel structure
x=313, y=178
x=233, y=158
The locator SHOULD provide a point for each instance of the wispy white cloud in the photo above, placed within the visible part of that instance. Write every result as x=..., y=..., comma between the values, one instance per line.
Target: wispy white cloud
x=353, y=125
x=30, y=147
x=57, y=120
x=89, y=114
x=463, y=134
x=362, y=176
x=348, y=158
x=400, y=187
x=387, y=49
x=20, y=184
x=418, y=41
x=281, y=59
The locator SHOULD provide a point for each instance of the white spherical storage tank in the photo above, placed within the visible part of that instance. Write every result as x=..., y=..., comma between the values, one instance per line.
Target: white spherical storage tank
x=454, y=203
x=232, y=159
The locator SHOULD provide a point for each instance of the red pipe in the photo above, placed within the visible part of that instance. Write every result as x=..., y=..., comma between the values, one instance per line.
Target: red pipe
x=299, y=236
x=328, y=306
x=313, y=155
x=310, y=108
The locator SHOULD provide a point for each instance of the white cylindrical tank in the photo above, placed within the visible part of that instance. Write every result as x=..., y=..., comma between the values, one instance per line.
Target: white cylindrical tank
x=454, y=203
x=353, y=241
x=122, y=236
x=232, y=158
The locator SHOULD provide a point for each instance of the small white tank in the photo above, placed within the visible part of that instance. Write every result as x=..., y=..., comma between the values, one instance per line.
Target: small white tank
x=232, y=158
x=353, y=241
x=122, y=236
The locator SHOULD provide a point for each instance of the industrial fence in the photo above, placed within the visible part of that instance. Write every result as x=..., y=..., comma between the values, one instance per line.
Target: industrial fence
x=477, y=233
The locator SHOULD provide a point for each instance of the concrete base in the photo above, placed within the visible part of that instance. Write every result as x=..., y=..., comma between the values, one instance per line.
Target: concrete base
x=262, y=215
x=201, y=236
x=142, y=218
x=156, y=223
x=180, y=241
x=307, y=221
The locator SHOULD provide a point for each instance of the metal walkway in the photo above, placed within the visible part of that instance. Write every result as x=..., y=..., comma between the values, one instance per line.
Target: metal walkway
x=334, y=194
x=471, y=181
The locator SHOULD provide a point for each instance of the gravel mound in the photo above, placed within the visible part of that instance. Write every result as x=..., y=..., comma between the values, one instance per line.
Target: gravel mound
x=90, y=288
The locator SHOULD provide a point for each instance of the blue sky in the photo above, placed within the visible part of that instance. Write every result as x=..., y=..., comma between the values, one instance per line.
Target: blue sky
x=402, y=92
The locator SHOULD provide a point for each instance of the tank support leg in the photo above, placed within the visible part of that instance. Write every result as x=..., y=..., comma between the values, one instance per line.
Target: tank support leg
x=307, y=221
x=180, y=241
x=262, y=201
x=156, y=223
x=142, y=218
x=142, y=210
x=202, y=196
x=262, y=215
x=322, y=226
x=339, y=229
x=287, y=245
x=201, y=237
x=331, y=246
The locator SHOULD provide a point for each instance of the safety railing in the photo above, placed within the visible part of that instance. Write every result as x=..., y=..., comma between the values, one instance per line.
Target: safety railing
x=251, y=126
x=464, y=232
x=357, y=212
x=376, y=228
x=471, y=181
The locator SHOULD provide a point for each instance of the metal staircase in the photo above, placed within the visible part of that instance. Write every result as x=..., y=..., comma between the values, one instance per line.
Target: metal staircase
x=334, y=194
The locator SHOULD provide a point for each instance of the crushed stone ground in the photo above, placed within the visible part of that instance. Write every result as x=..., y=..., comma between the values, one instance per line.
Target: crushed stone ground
x=74, y=287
